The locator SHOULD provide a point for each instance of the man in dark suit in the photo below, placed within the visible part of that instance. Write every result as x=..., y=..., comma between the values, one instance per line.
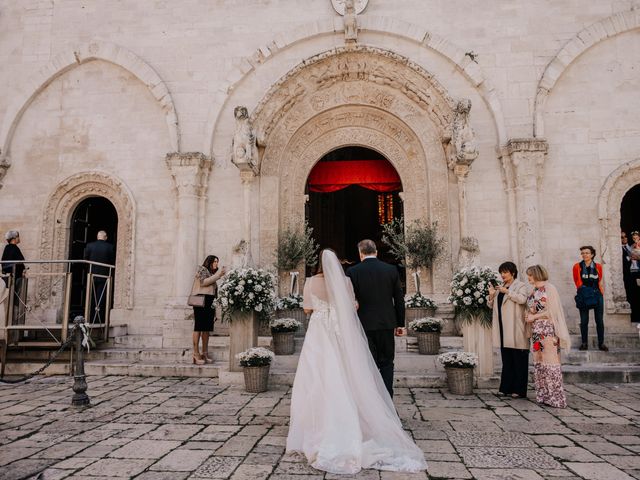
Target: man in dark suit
x=99, y=251
x=381, y=306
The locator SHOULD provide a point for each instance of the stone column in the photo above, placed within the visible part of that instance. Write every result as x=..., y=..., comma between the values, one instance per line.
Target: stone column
x=190, y=171
x=461, y=172
x=523, y=164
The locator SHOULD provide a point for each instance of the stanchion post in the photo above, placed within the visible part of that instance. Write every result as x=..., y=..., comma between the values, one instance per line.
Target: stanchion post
x=80, y=397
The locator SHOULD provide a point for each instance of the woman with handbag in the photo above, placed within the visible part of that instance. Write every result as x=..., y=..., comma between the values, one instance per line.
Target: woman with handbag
x=587, y=276
x=203, y=292
x=508, y=302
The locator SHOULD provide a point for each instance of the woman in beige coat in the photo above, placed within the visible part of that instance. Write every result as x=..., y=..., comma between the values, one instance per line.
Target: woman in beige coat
x=509, y=303
x=204, y=284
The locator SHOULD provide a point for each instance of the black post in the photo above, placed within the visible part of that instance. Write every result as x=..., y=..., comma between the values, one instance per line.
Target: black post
x=80, y=397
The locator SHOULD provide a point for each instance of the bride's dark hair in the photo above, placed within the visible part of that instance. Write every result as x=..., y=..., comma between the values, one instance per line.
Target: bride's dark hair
x=319, y=266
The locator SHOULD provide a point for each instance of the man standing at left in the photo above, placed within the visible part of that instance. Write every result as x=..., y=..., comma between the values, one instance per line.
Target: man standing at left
x=102, y=252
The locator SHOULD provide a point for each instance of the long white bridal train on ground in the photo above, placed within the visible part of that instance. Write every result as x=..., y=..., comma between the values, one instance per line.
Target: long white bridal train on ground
x=342, y=417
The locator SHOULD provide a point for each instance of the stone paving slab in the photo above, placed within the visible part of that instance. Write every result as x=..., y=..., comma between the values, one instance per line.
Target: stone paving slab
x=175, y=428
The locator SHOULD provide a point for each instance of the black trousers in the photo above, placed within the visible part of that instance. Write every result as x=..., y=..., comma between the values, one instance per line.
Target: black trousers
x=515, y=371
x=382, y=344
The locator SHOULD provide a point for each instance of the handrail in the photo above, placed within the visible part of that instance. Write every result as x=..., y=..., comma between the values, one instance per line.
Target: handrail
x=20, y=306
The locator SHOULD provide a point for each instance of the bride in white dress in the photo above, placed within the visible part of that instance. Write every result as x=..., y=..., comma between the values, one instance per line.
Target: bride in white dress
x=342, y=417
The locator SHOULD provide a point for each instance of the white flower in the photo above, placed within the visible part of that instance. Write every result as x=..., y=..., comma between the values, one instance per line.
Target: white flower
x=258, y=308
x=481, y=285
x=459, y=292
x=467, y=291
x=477, y=294
x=463, y=282
x=241, y=282
x=467, y=300
x=481, y=300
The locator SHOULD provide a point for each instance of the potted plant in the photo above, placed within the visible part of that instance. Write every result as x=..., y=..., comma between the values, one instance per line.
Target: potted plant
x=469, y=291
x=418, y=306
x=291, y=307
x=246, y=297
x=255, y=363
x=282, y=332
x=295, y=245
x=418, y=247
x=428, y=332
x=459, y=368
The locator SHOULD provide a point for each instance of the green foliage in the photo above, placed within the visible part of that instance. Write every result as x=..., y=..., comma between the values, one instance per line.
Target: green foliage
x=419, y=247
x=294, y=246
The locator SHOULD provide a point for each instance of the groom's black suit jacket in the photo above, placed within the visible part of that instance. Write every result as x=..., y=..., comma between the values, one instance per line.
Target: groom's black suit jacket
x=379, y=293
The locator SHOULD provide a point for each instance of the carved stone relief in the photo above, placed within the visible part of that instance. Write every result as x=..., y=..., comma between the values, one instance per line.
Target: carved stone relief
x=360, y=63
x=56, y=220
x=367, y=97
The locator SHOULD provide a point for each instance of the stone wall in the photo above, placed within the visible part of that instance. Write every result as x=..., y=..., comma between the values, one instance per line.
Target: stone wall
x=87, y=86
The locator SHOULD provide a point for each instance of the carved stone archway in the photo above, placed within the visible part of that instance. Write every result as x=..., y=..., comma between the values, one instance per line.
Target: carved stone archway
x=357, y=97
x=618, y=183
x=56, y=226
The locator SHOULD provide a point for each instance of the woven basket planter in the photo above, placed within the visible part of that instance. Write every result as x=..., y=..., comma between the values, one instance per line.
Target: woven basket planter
x=256, y=379
x=428, y=343
x=413, y=313
x=460, y=380
x=283, y=343
x=297, y=314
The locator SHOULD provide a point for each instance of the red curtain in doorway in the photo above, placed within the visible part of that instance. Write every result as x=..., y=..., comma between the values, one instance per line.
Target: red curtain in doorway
x=377, y=175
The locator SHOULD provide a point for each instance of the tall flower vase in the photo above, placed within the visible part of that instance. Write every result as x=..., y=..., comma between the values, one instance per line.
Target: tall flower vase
x=243, y=334
x=478, y=339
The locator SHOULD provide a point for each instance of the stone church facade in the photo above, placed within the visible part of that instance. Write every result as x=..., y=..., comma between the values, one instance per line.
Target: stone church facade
x=134, y=102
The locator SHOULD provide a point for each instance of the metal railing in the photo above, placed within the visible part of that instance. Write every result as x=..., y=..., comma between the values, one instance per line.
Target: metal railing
x=40, y=316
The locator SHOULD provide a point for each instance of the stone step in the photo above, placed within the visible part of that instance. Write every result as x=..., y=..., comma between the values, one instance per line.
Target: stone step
x=621, y=341
x=140, y=341
x=151, y=369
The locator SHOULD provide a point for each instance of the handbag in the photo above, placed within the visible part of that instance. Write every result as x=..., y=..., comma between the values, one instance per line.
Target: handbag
x=195, y=300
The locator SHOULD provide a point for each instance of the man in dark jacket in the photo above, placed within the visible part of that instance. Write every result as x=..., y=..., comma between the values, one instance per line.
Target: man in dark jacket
x=381, y=306
x=99, y=251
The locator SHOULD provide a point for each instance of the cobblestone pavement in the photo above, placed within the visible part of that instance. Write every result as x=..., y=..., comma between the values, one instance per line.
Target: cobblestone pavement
x=173, y=428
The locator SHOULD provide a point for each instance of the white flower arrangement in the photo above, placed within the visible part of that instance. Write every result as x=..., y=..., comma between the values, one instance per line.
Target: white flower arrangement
x=469, y=290
x=417, y=300
x=255, y=357
x=458, y=359
x=246, y=290
x=427, y=324
x=284, y=325
x=289, y=302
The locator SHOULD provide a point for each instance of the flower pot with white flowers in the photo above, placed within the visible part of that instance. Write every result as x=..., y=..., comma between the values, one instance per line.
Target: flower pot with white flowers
x=428, y=332
x=469, y=291
x=459, y=367
x=291, y=307
x=418, y=306
x=246, y=297
x=255, y=363
x=282, y=333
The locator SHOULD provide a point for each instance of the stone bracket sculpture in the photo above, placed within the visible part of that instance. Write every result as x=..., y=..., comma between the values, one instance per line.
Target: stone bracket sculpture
x=463, y=141
x=244, y=151
x=4, y=166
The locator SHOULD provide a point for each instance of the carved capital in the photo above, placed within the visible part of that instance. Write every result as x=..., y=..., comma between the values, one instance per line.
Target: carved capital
x=523, y=162
x=247, y=176
x=190, y=171
x=461, y=171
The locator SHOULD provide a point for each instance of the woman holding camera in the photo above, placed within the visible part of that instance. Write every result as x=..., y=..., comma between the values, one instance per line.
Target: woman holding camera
x=587, y=276
x=508, y=303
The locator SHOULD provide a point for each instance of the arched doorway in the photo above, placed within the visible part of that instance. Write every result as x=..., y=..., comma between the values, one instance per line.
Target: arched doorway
x=629, y=213
x=353, y=192
x=89, y=217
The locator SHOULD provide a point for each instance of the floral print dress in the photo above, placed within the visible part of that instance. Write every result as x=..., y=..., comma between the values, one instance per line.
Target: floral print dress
x=547, y=373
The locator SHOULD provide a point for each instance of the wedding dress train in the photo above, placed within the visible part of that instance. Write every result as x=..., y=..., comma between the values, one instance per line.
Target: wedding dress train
x=342, y=417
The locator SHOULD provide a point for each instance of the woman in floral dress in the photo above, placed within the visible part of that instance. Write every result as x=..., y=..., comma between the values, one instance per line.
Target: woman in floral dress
x=549, y=334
